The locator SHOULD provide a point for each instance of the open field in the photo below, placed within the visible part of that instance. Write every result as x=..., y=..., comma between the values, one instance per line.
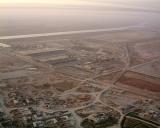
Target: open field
x=140, y=81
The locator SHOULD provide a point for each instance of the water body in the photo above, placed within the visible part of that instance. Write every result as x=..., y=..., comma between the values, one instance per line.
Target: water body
x=4, y=45
x=63, y=33
x=24, y=21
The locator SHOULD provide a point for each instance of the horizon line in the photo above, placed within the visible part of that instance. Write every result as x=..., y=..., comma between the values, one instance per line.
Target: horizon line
x=66, y=33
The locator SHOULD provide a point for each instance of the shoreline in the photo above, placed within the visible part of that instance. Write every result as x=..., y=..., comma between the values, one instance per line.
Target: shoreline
x=67, y=32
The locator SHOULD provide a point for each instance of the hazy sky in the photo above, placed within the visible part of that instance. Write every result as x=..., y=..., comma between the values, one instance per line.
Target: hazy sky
x=153, y=4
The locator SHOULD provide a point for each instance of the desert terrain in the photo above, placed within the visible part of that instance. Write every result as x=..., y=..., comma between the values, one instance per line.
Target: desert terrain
x=86, y=80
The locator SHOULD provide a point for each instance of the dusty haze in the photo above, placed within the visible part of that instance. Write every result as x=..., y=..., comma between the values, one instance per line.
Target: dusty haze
x=32, y=17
